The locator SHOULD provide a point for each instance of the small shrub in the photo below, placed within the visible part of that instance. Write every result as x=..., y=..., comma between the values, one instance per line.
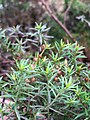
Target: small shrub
x=51, y=84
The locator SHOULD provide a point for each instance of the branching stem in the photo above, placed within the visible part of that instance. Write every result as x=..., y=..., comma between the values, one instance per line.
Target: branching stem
x=47, y=8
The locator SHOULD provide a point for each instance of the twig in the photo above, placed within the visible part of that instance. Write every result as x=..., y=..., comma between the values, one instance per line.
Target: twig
x=44, y=3
x=3, y=100
x=66, y=12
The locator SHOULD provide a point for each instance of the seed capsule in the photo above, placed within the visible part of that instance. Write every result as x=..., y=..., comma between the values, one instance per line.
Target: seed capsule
x=87, y=79
x=33, y=79
x=59, y=72
x=35, y=59
x=56, y=79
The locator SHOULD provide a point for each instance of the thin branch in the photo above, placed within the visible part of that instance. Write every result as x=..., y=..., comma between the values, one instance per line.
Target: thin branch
x=44, y=3
x=66, y=12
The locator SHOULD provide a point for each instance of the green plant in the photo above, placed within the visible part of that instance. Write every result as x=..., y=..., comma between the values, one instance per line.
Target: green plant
x=18, y=42
x=53, y=84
